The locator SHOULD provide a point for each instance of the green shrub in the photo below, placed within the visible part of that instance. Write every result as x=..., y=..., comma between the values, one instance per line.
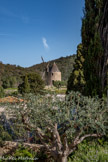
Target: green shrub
x=2, y=94
x=23, y=155
x=58, y=84
x=1, y=142
x=90, y=152
x=4, y=135
x=32, y=83
x=20, y=155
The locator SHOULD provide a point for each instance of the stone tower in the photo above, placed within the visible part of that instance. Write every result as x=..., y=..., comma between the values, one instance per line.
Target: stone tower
x=52, y=73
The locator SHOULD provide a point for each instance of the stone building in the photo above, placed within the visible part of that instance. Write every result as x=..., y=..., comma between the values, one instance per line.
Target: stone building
x=52, y=73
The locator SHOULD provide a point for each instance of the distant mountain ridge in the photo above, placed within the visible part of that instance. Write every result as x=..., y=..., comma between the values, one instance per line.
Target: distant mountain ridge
x=13, y=72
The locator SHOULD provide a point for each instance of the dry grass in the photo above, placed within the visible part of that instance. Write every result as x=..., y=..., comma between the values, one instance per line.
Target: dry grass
x=10, y=99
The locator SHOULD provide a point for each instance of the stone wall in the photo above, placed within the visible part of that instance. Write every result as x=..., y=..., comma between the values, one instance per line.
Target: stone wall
x=52, y=76
x=56, y=76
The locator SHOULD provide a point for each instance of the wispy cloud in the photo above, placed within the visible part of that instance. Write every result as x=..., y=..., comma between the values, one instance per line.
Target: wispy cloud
x=46, y=46
x=8, y=13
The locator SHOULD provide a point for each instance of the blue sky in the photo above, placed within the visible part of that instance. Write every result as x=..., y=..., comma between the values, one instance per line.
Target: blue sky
x=30, y=29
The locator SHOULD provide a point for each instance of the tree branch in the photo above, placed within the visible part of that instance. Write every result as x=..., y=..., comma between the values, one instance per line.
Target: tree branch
x=87, y=135
x=56, y=138
x=79, y=140
x=75, y=140
x=65, y=146
x=10, y=147
x=37, y=130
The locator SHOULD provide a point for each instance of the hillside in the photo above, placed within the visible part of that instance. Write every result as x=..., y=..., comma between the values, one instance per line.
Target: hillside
x=65, y=65
x=10, y=75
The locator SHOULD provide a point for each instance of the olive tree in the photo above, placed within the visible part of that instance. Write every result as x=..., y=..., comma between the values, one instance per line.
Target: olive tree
x=60, y=125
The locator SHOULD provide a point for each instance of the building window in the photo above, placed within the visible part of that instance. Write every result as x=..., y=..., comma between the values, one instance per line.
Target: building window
x=52, y=73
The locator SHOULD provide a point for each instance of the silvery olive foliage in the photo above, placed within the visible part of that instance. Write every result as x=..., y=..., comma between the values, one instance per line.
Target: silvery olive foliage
x=60, y=124
x=71, y=114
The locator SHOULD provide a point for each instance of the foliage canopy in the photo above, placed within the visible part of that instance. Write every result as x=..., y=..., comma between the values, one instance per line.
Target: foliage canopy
x=64, y=123
x=93, y=49
x=76, y=81
x=32, y=83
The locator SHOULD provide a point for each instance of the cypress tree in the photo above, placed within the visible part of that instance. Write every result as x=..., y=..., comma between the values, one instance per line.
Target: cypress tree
x=92, y=47
x=26, y=85
x=2, y=93
x=76, y=80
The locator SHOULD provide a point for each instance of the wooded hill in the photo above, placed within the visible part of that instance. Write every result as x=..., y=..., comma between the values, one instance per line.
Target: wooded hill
x=65, y=65
x=10, y=75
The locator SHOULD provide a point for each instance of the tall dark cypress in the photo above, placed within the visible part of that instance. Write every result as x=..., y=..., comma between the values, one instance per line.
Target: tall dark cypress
x=92, y=47
x=103, y=29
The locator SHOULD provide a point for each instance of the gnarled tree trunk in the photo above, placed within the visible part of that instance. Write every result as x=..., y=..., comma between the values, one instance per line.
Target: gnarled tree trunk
x=61, y=159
